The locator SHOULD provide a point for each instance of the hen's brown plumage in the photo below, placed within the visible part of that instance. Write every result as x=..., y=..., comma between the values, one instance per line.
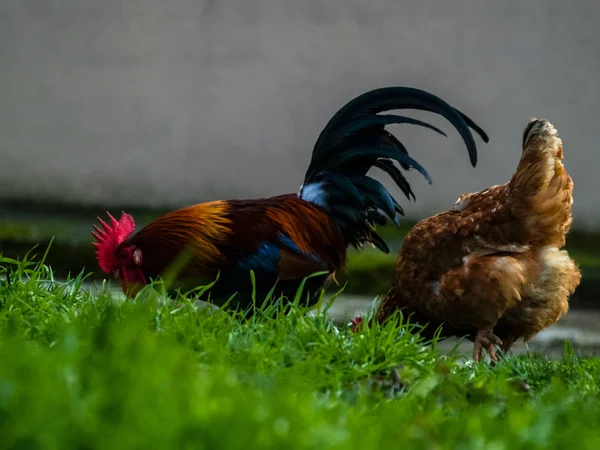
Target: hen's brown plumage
x=492, y=268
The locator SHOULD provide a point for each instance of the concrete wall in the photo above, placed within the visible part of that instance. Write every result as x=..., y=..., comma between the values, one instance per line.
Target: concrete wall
x=166, y=103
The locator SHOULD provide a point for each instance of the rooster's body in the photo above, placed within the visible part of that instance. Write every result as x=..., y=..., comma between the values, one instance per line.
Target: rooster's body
x=285, y=239
x=492, y=269
x=281, y=238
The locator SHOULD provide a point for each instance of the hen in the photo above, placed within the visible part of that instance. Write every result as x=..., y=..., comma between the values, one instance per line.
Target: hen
x=287, y=238
x=492, y=268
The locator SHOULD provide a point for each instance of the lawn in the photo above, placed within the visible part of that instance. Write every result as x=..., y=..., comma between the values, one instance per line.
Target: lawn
x=81, y=369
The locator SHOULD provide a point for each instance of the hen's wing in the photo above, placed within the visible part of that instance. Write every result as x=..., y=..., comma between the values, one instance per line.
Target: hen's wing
x=462, y=267
x=548, y=300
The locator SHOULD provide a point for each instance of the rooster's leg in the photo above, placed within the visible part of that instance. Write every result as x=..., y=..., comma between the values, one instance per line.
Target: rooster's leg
x=485, y=339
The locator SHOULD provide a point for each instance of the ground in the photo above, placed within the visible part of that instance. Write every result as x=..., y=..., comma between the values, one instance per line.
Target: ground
x=82, y=369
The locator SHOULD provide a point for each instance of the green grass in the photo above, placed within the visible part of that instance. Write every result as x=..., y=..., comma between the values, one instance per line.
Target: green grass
x=81, y=369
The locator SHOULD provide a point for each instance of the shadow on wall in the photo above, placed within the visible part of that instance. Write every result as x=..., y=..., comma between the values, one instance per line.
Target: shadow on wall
x=166, y=103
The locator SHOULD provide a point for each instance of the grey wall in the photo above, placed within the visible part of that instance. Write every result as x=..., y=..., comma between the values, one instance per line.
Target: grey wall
x=166, y=103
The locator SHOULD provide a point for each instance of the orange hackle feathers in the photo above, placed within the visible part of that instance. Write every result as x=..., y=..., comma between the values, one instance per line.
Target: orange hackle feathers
x=199, y=228
x=109, y=238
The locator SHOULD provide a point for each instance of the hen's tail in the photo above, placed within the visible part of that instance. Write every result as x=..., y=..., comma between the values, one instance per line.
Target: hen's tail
x=541, y=190
x=354, y=141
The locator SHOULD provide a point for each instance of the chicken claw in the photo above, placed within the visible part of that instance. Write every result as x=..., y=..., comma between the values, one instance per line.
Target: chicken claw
x=485, y=339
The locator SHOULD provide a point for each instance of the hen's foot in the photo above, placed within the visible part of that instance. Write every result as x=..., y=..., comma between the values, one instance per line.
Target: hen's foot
x=485, y=339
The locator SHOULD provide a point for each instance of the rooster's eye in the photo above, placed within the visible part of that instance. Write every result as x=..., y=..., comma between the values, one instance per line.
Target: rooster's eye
x=137, y=257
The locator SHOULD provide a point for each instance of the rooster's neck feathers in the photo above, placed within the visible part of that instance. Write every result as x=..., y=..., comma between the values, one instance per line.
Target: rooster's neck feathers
x=259, y=233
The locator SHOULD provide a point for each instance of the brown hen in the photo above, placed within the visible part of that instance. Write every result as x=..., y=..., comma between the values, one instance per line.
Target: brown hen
x=492, y=268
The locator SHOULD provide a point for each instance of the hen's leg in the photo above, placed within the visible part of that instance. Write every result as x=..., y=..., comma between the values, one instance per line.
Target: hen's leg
x=485, y=339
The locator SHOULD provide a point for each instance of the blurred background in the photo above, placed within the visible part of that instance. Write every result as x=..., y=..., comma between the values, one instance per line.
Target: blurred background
x=150, y=105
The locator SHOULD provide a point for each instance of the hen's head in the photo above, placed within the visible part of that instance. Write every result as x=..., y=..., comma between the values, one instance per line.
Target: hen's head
x=109, y=253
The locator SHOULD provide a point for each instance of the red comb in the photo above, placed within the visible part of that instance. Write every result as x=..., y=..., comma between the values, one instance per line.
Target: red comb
x=109, y=239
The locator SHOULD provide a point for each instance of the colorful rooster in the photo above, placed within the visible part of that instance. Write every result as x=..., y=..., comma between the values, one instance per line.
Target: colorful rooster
x=285, y=239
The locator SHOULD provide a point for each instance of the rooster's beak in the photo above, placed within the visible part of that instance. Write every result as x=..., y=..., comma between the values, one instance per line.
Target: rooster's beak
x=117, y=274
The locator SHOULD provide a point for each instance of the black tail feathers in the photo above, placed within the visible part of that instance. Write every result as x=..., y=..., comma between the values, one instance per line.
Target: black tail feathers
x=354, y=141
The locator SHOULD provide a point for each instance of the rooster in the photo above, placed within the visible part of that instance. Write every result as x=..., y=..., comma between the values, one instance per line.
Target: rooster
x=492, y=269
x=287, y=238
